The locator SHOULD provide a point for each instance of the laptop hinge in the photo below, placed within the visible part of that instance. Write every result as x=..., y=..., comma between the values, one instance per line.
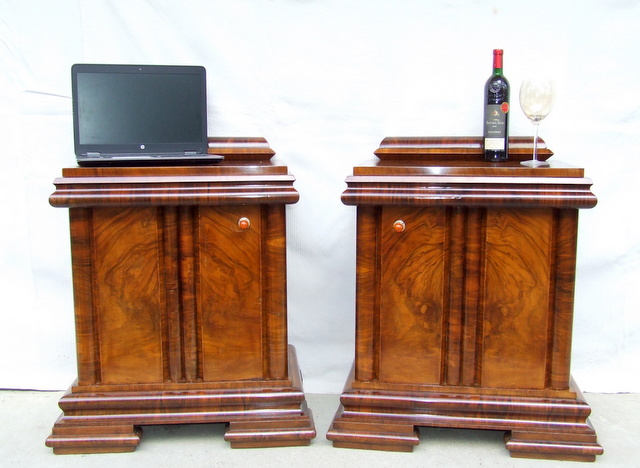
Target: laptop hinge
x=93, y=154
x=191, y=153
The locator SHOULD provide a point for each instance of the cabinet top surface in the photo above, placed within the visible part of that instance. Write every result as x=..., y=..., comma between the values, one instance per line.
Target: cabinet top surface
x=248, y=175
x=225, y=168
x=460, y=157
x=451, y=171
x=243, y=156
x=458, y=168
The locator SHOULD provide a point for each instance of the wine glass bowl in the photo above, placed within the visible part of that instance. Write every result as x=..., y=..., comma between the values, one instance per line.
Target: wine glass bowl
x=536, y=100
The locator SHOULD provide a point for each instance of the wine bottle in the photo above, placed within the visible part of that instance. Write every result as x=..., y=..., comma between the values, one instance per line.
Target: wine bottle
x=496, y=113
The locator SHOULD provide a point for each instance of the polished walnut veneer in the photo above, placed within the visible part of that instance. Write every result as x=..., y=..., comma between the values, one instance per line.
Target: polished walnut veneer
x=179, y=278
x=464, y=299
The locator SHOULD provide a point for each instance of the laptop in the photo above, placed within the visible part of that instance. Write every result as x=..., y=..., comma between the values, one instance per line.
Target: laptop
x=130, y=115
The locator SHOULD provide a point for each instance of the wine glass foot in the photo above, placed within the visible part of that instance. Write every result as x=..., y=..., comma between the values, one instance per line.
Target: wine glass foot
x=534, y=163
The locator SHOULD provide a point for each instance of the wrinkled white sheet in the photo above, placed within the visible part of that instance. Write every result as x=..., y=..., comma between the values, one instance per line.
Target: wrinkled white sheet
x=324, y=81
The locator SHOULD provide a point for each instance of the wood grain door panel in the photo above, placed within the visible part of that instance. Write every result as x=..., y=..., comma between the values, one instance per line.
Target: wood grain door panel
x=229, y=292
x=412, y=296
x=517, y=298
x=129, y=299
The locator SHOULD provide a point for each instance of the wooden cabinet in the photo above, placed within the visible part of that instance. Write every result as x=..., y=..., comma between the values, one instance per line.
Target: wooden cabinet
x=464, y=299
x=179, y=277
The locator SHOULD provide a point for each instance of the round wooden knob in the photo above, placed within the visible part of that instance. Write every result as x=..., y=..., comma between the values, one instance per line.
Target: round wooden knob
x=244, y=223
x=399, y=226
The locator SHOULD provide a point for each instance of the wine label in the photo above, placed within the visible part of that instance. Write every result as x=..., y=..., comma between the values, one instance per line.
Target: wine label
x=494, y=144
x=495, y=132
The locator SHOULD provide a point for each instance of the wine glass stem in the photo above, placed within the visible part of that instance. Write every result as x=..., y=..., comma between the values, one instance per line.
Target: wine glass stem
x=535, y=141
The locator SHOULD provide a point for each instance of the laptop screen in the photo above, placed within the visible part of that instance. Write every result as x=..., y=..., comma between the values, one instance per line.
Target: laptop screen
x=139, y=109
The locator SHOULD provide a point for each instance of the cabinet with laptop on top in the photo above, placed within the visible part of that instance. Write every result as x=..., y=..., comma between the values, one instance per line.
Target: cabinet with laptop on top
x=178, y=250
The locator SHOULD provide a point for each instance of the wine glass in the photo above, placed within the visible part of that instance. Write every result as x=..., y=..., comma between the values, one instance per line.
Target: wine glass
x=536, y=99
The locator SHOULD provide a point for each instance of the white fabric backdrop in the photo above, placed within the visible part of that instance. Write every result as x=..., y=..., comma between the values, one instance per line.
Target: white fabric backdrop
x=324, y=81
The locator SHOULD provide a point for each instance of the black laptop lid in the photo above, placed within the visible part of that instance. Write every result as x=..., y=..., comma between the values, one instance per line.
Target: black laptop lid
x=139, y=109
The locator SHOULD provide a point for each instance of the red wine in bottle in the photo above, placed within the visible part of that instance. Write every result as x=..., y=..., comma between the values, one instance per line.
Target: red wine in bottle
x=496, y=113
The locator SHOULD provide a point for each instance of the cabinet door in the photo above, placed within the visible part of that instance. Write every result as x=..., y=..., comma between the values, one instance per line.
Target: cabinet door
x=412, y=294
x=512, y=329
x=230, y=266
x=118, y=272
x=518, y=300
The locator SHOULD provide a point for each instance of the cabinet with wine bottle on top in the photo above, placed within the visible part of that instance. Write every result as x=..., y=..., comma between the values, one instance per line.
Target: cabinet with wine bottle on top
x=464, y=299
